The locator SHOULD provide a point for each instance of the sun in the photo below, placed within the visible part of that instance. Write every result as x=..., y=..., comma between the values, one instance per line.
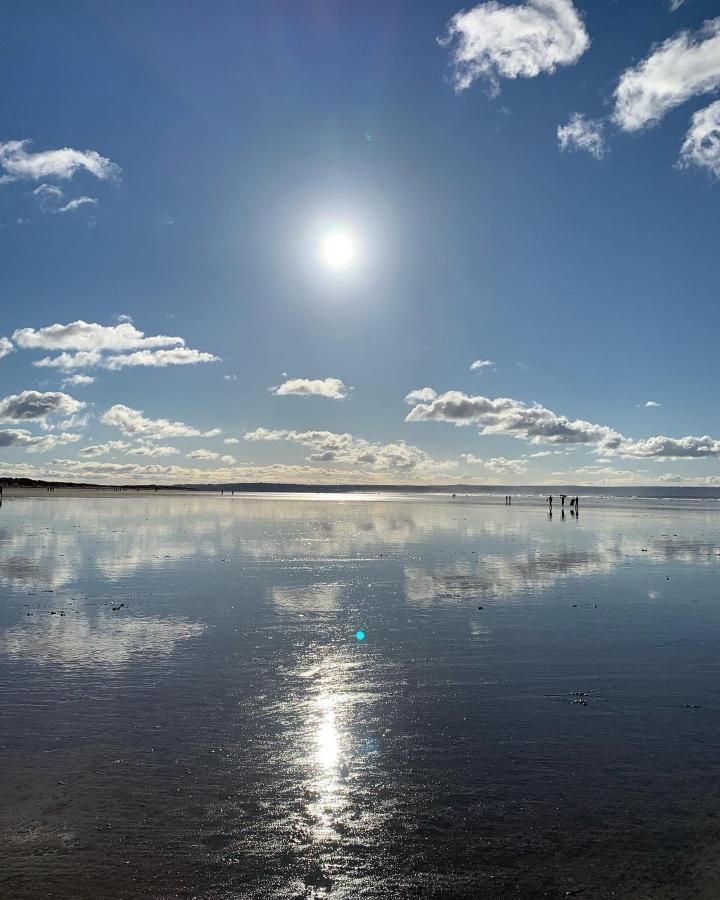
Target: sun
x=338, y=249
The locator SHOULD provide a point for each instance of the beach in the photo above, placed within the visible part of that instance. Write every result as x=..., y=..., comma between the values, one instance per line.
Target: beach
x=350, y=696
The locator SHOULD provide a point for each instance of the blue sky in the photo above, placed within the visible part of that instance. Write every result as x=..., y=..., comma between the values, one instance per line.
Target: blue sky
x=533, y=185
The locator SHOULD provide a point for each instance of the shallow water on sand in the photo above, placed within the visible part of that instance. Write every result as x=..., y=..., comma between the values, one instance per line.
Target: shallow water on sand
x=187, y=710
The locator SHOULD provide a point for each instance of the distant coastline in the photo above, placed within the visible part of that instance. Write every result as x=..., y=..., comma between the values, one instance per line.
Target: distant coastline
x=624, y=491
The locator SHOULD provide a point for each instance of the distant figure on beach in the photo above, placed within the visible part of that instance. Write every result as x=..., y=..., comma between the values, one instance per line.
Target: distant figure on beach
x=577, y=505
x=562, y=500
x=549, y=500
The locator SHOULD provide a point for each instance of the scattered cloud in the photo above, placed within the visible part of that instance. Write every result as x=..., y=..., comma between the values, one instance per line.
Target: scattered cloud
x=676, y=4
x=230, y=377
x=19, y=163
x=93, y=451
x=494, y=41
x=87, y=345
x=500, y=465
x=539, y=425
x=228, y=459
x=152, y=450
x=231, y=440
x=651, y=403
x=82, y=335
x=582, y=133
x=78, y=380
x=133, y=423
x=21, y=437
x=36, y=405
x=6, y=346
x=327, y=446
x=332, y=388
x=684, y=66
x=480, y=364
x=77, y=203
x=202, y=453
x=422, y=395
x=701, y=146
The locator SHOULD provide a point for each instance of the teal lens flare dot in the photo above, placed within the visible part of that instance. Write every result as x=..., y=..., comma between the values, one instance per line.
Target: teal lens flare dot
x=360, y=635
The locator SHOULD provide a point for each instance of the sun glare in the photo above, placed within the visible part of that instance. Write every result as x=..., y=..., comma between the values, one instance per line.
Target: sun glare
x=338, y=249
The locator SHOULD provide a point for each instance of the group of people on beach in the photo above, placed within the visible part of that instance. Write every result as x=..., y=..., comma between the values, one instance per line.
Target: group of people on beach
x=574, y=502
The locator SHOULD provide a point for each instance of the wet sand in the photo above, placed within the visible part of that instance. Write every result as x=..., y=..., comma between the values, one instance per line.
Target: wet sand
x=187, y=712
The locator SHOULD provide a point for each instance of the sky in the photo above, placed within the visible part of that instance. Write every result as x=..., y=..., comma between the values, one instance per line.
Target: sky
x=396, y=242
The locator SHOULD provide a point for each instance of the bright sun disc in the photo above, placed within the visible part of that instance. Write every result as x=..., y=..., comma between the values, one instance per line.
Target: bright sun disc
x=338, y=250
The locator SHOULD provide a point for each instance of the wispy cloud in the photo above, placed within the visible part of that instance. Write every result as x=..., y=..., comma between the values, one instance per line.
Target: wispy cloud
x=651, y=403
x=18, y=162
x=701, y=146
x=332, y=388
x=684, y=66
x=582, y=133
x=494, y=40
x=6, y=346
x=480, y=364
x=78, y=380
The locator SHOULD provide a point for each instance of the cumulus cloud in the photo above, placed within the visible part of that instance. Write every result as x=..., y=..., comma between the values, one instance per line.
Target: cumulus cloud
x=19, y=163
x=500, y=465
x=494, y=40
x=80, y=335
x=481, y=364
x=87, y=345
x=152, y=450
x=36, y=405
x=326, y=446
x=539, y=425
x=506, y=416
x=422, y=395
x=582, y=133
x=651, y=403
x=21, y=437
x=6, y=346
x=332, y=388
x=202, y=453
x=133, y=423
x=701, y=146
x=684, y=66
x=231, y=441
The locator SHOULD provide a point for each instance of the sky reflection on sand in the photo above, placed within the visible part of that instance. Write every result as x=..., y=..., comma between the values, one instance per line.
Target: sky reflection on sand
x=234, y=709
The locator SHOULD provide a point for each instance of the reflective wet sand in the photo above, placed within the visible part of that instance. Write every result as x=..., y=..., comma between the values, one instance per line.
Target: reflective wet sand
x=187, y=711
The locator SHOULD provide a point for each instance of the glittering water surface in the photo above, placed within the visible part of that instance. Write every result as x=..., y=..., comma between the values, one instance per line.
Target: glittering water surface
x=355, y=697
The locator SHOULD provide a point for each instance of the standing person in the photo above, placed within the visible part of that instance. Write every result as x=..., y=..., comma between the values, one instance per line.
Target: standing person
x=509, y=501
x=562, y=500
x=577, y=505
x=549, y=500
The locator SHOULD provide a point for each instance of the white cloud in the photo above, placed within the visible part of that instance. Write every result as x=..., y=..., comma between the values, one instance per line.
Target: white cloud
x=332, y=388
x=422, y=395
x=472, y=460
x=21, y=437
x=506, y=416
x=152, y=450
x=500, y=465
x=676, y=4
x=133, y=423
x=95, y=450
x=230, y=377
x=36, y=405
x=202, y=453
x=87, y=345
x=539, y=425
x=228, y=459
x=231, y=441
x=494, y=41
x=582, y=133
x=78, y=380
x=90, y=336
x=684, y=66
x=18, y=162
x=701, y=146
x=397, y=457
x=6, y=346
x=77, y=203
x=481, y=364
x=651, y=403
